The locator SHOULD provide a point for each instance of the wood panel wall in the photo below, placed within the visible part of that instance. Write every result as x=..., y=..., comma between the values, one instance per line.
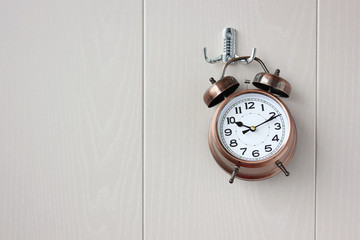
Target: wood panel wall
x=71, y=120
x=187, y=195
x=338, y=114
x=103, y=131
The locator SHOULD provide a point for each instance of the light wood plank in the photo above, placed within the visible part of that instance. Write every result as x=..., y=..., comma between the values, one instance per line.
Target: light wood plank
x=338, y=137
x=187, y=195
x=71, y=119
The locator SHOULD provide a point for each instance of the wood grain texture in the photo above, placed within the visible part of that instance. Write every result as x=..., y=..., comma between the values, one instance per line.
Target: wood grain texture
x=71, y=119
x=187, y=195
x=338, y=136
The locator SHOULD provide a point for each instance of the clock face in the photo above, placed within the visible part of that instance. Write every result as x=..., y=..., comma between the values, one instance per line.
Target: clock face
x=253, y=126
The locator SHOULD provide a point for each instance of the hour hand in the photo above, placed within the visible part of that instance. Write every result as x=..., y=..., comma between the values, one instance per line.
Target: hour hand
x=240, y=124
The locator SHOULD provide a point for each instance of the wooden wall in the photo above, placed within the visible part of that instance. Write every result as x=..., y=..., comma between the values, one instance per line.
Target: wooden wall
x=71, y=120
x=103, y=133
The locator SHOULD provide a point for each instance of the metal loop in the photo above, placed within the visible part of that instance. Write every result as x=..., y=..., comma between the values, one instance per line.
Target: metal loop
x=244, y=58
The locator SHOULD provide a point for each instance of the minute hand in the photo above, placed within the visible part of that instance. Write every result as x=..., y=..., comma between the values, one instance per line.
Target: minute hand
x=271, y=118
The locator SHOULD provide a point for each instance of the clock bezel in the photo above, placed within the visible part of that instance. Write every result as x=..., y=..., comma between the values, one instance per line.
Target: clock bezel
x=278, y=156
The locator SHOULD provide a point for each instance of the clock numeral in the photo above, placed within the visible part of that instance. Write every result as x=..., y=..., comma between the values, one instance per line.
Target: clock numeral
x=233, y=143
x=244, y=150
x=268, y=148
x=278, y=126
x=262, y=107
x=275, y=138
x=249, y=105
x=255, y=153
x=230, y=120
x=228, y=132
x=238, y=110
x=272, y=114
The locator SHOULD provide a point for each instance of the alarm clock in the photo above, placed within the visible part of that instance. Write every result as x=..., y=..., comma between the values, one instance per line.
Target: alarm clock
x=252, y=135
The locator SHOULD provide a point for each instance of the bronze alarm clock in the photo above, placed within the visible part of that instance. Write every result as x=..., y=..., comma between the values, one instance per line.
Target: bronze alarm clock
x=252, y=135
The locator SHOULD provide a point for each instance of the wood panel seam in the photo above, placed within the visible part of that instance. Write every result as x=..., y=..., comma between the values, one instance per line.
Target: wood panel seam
x=143, y=121
x=316, y=115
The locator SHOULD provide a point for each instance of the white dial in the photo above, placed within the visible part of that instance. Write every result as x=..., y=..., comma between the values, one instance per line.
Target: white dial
x=253, y=126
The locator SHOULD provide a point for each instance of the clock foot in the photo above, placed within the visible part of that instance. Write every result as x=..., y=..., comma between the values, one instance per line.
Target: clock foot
x=234, y=173
x=281, y=166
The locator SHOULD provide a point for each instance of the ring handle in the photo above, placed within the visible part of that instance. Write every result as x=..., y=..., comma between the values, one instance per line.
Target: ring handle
x=262, y=64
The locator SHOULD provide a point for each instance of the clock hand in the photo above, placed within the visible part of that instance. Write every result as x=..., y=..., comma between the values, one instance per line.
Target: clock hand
x=240, y=124
x=271, y=118
x=253, y=128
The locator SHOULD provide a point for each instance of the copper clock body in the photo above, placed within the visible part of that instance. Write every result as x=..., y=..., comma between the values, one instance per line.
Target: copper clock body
x=252, y=170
